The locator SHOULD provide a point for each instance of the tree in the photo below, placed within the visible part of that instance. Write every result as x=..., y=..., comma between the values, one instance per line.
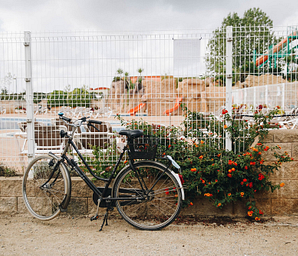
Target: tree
x=140, y=70
x=252, y=33
x=120, y=71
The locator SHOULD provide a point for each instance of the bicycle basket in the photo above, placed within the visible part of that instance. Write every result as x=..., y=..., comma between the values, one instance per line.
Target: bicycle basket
x=143, y=147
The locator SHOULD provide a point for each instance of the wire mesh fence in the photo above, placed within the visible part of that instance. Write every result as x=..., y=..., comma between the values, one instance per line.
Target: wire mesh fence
x=168, y=79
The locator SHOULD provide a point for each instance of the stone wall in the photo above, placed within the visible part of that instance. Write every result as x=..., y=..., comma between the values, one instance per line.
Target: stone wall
x=282, y=202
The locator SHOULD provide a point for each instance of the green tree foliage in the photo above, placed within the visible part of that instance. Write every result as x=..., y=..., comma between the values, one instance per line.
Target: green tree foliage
x=251, y=33
x=79, y=97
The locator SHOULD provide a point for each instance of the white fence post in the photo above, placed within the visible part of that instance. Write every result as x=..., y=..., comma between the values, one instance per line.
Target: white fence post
x=29, y=96
x=229, y=76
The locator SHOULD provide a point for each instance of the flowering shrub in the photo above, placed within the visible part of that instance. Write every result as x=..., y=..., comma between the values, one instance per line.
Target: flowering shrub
x=210, y=171
x=224, y=177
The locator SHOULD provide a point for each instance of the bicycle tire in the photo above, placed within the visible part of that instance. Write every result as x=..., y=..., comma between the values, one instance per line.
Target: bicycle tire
x=156, y=210
x=43, y=196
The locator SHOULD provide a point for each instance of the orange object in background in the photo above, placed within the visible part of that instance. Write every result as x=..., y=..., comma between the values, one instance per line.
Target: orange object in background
x=176, y=106
x=275, y=49
x=136, y=109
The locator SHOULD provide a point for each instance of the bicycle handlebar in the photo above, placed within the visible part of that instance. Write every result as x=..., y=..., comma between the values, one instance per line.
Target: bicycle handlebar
x=83, y=120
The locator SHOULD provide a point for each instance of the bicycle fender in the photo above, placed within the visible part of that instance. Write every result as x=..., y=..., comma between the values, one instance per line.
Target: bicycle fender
x=66, y=200
x=180, y=184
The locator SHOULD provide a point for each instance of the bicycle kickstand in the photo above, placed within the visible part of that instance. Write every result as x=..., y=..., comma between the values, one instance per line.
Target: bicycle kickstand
x=105, y=219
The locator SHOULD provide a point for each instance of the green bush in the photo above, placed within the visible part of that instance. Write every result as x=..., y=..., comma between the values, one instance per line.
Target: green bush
x=7, y=171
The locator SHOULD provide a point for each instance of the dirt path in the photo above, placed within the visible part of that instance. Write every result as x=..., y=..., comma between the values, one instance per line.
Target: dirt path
x=78, y=236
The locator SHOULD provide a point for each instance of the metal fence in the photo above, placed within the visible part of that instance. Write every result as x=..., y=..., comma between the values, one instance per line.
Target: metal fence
x=140, y=76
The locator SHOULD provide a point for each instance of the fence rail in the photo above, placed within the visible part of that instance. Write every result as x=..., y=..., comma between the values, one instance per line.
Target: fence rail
x=141, y=76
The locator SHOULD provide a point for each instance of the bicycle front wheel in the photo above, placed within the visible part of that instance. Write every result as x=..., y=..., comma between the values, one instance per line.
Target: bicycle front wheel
x=151, y=195
x=45, y=187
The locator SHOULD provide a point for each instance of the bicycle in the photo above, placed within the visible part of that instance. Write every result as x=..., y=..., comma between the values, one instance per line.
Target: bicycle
x=146, y=193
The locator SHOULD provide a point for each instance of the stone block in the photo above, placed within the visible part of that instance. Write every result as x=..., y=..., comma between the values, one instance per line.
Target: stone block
x=264, y=195
x=295, y=151
x=77, y=206
x=280, y=136
x=78, y=187
x=289, y=191
x=11, y=187
x=203, y=207
x=269, y=155
x=284, y=206
x=264, y=204
x=8, y=205
x=21, y=206
x=268, y=138
x=287, y=170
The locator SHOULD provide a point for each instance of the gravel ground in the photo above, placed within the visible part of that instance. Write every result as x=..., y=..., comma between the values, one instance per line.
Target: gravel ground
x=23, y=235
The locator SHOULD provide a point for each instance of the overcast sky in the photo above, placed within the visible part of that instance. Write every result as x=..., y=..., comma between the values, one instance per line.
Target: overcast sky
x=134, y=15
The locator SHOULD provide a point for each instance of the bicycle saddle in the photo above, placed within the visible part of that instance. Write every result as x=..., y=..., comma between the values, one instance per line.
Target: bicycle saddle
x=132, y=133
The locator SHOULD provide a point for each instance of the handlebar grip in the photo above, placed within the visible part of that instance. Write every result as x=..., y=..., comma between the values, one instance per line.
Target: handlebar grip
x=94, y=122
x=66, y=119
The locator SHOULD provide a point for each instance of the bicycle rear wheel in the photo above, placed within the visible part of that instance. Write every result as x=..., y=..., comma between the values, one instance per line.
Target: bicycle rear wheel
x=151, y=198
x=45, y=190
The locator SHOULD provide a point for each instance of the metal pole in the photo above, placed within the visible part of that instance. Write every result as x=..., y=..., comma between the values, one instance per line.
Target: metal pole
x=229, y=76
x=29, y=96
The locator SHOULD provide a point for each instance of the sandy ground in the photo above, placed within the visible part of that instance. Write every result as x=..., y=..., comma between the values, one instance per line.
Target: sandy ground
x=23, y=235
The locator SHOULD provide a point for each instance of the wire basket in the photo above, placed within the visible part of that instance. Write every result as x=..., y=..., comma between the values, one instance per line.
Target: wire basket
x=143, y=147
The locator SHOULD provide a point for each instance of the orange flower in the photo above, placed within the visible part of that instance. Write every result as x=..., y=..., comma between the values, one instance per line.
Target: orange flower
x=201, y=157
x=229, y=194
x=242, y=194
x=225, y=126
x=218, y=155
x=202, y=142
x=249, y=213
x=266, y=148
x=219, y=204
x=203, y=181
x=125, y=162
x=191, y=203
x=282, y=184
x=257, y=218
x=193, y=169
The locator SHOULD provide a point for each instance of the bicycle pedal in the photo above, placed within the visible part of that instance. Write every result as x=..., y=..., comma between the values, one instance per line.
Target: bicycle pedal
x=94, y=217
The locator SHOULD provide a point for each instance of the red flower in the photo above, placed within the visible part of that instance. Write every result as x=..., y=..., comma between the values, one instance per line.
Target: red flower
x=245, y=167
x=252, y=163
x=224, y=111
x=250, y=184
x=244, y=180
x=230, y=175
x=261, y=176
